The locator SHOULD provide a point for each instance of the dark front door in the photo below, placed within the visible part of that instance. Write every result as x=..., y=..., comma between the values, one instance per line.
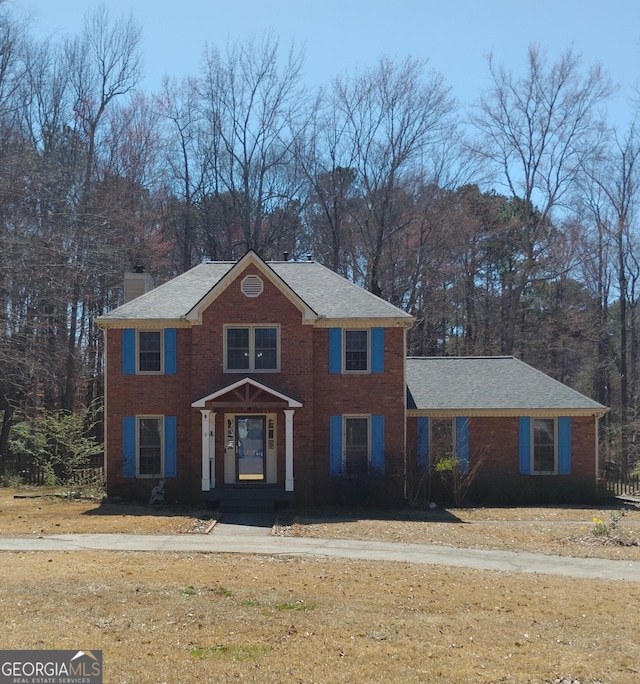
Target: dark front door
x=250, y=448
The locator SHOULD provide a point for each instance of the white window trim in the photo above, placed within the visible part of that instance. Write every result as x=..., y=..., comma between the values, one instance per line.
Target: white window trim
x=152, y=417
x=251, y=327
x=346, y=417
x=344, y=351
x=142, y=372
x=555, y=447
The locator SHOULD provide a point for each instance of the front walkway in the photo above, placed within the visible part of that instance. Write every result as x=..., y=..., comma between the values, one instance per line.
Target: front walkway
x=248, y=539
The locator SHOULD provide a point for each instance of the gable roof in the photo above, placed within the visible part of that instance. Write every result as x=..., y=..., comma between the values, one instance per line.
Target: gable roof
x=321, y=294
x=495, y=386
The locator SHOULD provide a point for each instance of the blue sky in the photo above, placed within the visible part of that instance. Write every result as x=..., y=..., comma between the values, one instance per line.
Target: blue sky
x=342, y=35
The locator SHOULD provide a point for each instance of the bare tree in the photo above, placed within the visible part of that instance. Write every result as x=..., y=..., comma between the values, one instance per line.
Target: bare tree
x=13, y=52
x=184, y=166
x=394, y=115
x=537, y=132
x=103, y=64
x=255, y=109
x=612, y=195
x=325, y=157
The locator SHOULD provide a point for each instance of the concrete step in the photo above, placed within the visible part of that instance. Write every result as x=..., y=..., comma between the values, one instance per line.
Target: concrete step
x=247, y=506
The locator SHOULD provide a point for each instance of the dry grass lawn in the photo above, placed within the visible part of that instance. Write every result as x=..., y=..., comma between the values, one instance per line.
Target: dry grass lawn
x=191, y=618
x=549, y=530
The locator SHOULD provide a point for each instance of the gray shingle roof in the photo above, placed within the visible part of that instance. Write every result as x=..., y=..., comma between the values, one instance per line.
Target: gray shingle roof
x=328, y=294
x=488, y=385
x=332, y=296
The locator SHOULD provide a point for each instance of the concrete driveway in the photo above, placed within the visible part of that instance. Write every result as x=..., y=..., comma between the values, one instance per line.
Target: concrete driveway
x=246, y=536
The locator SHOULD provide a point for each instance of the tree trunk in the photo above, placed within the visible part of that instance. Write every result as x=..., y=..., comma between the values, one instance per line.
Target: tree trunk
x=7, y=420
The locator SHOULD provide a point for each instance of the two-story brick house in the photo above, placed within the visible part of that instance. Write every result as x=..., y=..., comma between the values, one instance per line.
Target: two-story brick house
x=250, y=381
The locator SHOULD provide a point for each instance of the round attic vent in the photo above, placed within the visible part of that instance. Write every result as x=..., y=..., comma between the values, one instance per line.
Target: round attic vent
x=252, y=286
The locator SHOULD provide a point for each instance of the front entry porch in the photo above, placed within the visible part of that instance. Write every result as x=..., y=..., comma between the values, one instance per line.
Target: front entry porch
x=251, y=499
x=240, y=456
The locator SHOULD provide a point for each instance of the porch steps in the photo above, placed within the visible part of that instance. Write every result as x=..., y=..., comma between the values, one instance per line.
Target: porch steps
x=250, y=499
x=246, y=506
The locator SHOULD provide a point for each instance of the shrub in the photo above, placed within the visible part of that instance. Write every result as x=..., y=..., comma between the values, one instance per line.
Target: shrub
x=456, y=477
x=56, y=441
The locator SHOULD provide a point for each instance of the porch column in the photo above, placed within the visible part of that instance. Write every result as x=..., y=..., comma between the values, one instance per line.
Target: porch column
x=288, y=433
x=208, y=450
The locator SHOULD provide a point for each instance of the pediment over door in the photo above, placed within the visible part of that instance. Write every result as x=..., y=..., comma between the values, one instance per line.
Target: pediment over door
x=247, y=393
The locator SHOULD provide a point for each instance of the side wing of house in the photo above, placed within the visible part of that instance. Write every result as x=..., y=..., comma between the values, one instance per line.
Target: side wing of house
x=510, y=421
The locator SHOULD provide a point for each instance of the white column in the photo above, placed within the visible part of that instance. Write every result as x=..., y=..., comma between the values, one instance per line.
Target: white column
x=288, y=478
x=206, y=441
x=212, y=450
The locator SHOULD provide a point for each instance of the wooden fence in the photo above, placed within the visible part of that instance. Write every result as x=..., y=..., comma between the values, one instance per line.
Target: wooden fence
x=620, y=486
x=29, y=471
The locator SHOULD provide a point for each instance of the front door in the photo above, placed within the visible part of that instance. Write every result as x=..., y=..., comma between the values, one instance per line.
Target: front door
x=250, y=448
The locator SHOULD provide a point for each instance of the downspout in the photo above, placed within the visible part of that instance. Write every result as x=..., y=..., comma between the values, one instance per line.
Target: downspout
x=105, y=412
x=404, y=392
x=597, y=449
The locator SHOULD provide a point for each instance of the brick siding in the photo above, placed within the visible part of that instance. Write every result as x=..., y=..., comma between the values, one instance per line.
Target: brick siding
x=496, y=441
x=304, y=375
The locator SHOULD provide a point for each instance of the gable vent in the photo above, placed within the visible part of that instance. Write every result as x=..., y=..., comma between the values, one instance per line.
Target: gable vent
x=252, y=286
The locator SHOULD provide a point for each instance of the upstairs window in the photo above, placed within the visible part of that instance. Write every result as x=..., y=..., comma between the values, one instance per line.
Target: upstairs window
x=356, y=350
x=238, y=348
x=149, y=351
x=252, y=348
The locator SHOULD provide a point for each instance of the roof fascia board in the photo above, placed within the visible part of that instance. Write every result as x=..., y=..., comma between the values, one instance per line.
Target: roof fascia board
x=200, y=403
x=142, y=323
x=504, y=413
x=250, y=258
x=364, y=322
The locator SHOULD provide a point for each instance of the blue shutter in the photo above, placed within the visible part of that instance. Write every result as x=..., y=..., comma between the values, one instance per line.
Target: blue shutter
x=335, y=350
x=377, y=445
x=524, y=445
x=377, y=350
x=129, y=351
x=170, y=350
x=462, y=443
x=422, y=427
x=129, y=446
x=564, y=445
x=335, y=445
x=170, y=446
